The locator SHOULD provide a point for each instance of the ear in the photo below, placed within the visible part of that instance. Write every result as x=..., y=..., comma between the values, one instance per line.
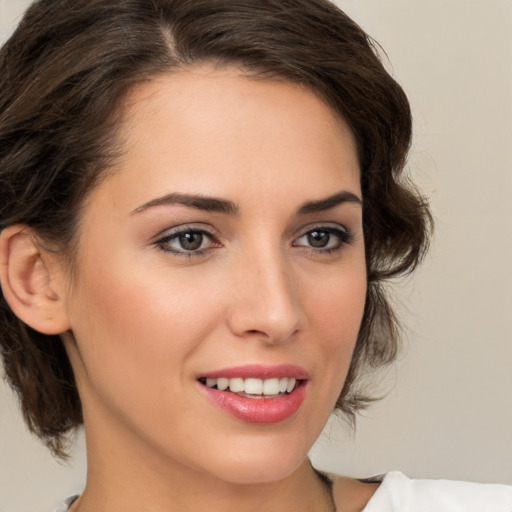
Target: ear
x=32, y=281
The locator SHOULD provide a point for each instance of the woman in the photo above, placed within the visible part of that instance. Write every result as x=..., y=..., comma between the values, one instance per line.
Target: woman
x=200, y=202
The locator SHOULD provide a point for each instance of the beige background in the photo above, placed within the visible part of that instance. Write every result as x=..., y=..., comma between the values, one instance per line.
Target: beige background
x=448, y=413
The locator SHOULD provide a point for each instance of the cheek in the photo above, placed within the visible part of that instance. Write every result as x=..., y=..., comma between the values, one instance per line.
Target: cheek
x=138, y=331
x=337, y=302
x=336, y=310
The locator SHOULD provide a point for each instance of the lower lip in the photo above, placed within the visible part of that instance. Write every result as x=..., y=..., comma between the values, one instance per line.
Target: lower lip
x=258, y=410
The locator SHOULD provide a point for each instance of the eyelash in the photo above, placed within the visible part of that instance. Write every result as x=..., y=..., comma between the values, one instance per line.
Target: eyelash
x=345, y=237
x=163, y=242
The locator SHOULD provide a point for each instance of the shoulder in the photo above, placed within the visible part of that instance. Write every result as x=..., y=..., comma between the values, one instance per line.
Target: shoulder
x=398, y=493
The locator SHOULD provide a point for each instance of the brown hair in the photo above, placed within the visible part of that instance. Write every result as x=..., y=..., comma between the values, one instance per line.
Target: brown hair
x=64, y=73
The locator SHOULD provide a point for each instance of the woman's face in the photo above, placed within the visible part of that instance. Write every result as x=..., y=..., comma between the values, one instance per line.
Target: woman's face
x=226, y=249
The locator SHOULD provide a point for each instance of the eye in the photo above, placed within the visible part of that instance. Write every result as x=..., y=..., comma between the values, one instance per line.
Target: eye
x=187, y=242
x=324, y=239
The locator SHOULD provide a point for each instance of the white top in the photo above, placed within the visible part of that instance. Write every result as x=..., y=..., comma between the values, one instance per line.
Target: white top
x=397, y=493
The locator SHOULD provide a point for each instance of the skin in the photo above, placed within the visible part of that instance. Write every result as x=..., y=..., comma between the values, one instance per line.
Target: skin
x=144, y=321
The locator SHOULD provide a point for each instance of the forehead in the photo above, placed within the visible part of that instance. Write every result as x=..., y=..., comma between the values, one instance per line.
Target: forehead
x=216, y=131
x=211, y=83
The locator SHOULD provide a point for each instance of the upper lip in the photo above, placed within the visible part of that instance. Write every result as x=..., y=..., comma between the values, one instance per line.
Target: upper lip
x=258, y=371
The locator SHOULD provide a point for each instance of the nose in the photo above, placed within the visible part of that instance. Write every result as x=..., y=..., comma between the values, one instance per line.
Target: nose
x=266, y=300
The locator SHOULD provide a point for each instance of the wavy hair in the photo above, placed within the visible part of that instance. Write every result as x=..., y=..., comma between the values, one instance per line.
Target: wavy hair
x=63, y=76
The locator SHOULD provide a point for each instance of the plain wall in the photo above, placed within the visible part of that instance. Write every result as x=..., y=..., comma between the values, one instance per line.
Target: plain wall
x=448, y=412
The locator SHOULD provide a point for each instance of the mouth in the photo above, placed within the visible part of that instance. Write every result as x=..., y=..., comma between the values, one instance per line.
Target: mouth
x=257, y=394
x=253, y=387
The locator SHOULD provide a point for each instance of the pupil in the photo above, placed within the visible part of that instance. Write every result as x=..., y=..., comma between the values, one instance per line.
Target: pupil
x=318, y=238
x=191, y=241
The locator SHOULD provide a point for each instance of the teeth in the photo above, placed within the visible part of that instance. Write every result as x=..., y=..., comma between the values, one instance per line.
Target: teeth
x=222, y=384
x=251, y=386
x=270, y=387
x=236, y=385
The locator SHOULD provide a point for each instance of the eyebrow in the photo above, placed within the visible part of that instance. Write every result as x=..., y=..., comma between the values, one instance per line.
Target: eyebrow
x=329, y=202
x=198, y=201
x=214, y=204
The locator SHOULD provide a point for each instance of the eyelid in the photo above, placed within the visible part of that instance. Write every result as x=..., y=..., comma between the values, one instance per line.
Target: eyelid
x=188, y=226
x=327, y=226
x=345, y=235
x=163, y=238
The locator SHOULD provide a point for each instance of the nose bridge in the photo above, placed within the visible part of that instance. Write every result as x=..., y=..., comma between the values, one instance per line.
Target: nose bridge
x=268, y=303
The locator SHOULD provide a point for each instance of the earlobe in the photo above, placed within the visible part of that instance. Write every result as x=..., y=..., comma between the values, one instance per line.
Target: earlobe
x=27, y=281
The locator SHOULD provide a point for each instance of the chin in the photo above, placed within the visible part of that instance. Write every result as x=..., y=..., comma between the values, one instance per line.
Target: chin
x=261, y=464
x=248, y=474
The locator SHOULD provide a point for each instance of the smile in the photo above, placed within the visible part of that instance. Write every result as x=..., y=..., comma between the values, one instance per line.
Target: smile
x=257, y=393
x=252, y=387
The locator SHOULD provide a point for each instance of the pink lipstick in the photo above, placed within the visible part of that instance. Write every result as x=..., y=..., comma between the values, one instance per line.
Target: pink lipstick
x=257, y=393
